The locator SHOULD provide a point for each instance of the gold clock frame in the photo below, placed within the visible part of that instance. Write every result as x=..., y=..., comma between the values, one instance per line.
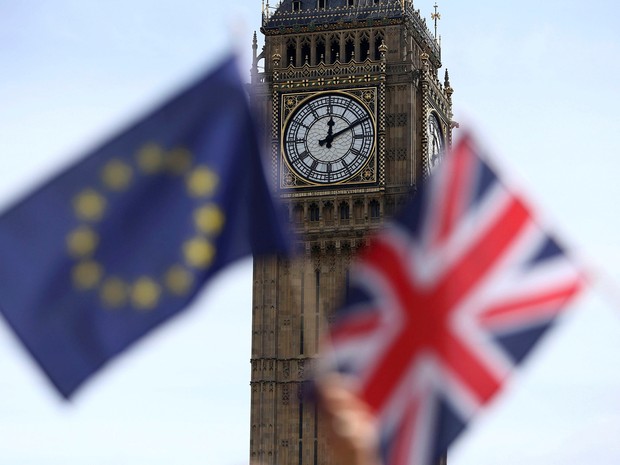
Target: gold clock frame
x=368, y=97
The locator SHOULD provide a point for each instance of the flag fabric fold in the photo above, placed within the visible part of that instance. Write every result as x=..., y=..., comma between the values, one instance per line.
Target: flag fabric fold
x=444, y=303
x=125, y=238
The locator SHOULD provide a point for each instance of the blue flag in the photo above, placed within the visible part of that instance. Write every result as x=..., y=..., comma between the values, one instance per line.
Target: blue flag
x=124, y=239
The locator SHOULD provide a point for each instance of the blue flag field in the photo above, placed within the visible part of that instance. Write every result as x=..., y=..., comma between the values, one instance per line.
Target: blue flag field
x=124, y=239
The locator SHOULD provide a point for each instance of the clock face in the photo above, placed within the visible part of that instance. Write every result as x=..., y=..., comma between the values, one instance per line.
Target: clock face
x=435, y=143
x=329, y=138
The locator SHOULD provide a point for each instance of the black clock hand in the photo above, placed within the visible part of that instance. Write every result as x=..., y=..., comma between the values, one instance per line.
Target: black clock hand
x=351, y=126
x=330, y=129
x=330, y=137
x=330, y=123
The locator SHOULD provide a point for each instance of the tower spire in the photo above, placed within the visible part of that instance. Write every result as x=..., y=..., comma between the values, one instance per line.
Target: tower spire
x=436, y=16
x=254, y=50
x=263, y=16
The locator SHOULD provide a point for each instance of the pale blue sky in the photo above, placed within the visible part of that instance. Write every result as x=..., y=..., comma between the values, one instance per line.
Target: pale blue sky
x=538, y=81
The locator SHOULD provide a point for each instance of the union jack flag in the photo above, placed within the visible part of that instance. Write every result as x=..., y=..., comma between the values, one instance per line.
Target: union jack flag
x=444, y=303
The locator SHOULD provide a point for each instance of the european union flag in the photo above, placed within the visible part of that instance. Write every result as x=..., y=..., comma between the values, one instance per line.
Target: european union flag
x=124, y=239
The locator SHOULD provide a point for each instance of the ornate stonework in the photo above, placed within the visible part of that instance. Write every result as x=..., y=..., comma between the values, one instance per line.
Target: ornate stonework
x=379, y=53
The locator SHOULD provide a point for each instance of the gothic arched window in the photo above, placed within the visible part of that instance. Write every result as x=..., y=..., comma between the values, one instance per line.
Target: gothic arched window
x=364, y=47
x=305, y=51
x=378, y=42
x=334, y=50
x=320, y=50
x=375, y=210
x=349, y=49
x=343, y=209
x=298, y=214
x=358, y=211
x=328, y=213
x=291, y=53
x=313, y=211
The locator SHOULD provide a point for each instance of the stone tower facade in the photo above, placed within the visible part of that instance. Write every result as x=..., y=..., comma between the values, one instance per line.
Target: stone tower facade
x=355, y=116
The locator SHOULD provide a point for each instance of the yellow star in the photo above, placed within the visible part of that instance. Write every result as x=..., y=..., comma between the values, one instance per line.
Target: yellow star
x=145, y=293
x=116, y=175
x=87, y=274
x=209, y=219
x=150, y=158
x=179, y=280
x=89, y=205
x=113, y=292
x=202, y=182
x=82, y=242
x=199, y=252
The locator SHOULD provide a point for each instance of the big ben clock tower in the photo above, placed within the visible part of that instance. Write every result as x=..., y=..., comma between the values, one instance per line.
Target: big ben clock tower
x=355, y=116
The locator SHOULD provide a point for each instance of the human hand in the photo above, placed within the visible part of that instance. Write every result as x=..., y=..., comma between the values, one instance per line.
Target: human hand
x=351, y=429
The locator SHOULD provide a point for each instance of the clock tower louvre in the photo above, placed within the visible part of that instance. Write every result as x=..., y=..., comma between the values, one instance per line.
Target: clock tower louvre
x=354, y=115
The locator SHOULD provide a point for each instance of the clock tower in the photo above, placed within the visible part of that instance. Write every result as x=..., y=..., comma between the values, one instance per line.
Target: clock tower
x=355, y=116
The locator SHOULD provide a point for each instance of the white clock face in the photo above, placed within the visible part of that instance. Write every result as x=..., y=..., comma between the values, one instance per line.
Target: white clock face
x=435, y=142
x=329, y=138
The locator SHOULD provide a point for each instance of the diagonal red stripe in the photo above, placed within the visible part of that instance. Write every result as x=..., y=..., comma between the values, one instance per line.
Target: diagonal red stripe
x=428, y=310
x=483, y=255
x=460, y=281
x=456, y=194
x=396, y=359
x=531, y=307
